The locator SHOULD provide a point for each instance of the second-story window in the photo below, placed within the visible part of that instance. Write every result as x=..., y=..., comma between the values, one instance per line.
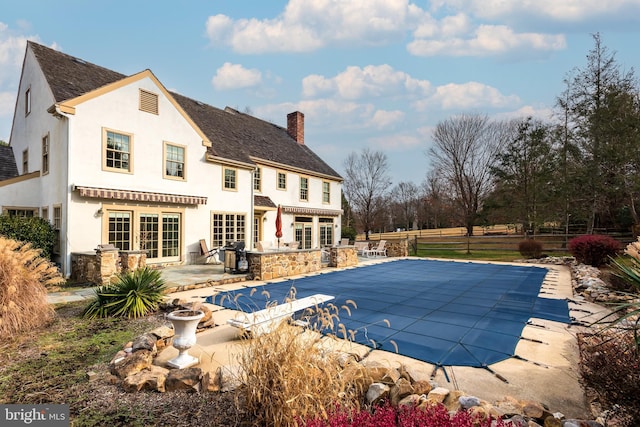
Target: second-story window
x=45, y=155
x=25, y=161
x=282, y=181
x=27, y=102
x=257, y=180
x=118, y=151
x=174, y=161
x=304, y=188
x=230, y=180
x=326, y=192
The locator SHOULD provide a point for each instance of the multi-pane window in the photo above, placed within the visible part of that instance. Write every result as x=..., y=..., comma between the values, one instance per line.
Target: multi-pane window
x=257, y=180
x=45, y=213
x=282, y=181
x=149, y=224
x=230, y=181
x=326, y=192
x=23, y=212
x=174, y=161
x=120, y=230
x=45, y=155
x=227, y=228
x=170, y=235
x=57, y=226
x=304, y=188
x=27, y=102
x=118, y=151
x=302, y=231
x=25, y=161
x=326, y=231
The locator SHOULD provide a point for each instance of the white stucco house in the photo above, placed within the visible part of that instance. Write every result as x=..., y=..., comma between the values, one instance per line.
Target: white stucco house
x=114, y=159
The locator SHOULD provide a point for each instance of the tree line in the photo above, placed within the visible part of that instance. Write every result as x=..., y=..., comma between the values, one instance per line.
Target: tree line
x=577, y=171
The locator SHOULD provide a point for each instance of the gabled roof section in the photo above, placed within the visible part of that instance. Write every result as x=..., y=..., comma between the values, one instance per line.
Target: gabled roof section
x=228, y=134
x=243, y=138
x=73, y=80
x=68, y=76
x=8, y=168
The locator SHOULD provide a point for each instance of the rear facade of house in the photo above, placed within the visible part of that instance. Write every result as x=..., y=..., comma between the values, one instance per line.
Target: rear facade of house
x=114, y=159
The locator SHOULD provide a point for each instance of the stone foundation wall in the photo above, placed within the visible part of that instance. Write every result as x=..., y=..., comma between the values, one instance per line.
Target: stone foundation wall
x=343, y=256
x=101, y=267
x=271, y=265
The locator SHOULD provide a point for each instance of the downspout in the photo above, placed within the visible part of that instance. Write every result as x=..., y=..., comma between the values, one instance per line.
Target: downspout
x=252, y=213
x=68, y=188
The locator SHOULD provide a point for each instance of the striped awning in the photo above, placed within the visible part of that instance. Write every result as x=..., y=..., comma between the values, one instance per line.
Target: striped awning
x=139, y=196
x=301, y=210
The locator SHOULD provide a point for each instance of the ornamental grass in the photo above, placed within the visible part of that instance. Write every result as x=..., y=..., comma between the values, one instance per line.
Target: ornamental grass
x=24, y=278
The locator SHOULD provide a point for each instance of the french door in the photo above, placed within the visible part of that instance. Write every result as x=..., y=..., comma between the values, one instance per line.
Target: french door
x=155, y=231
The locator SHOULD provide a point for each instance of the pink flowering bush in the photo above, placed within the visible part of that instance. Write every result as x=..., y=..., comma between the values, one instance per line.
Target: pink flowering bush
x=403, y=416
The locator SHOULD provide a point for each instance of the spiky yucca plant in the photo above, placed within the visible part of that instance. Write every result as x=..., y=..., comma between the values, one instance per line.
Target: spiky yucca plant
x=133, y=295
x=627, y=314
x=24, y=277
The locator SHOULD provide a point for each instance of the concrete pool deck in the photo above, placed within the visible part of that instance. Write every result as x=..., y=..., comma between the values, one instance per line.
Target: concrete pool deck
x=546, y=368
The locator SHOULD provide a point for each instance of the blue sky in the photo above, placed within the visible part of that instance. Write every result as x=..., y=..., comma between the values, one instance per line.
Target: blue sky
x=366, y=73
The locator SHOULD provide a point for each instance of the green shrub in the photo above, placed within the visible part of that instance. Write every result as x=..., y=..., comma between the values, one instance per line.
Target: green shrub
x=135, y=294
x=24, y=276
x=530, y=248
x=593, y=249
x=627, y=315
x=349, y=232
x=37, y=231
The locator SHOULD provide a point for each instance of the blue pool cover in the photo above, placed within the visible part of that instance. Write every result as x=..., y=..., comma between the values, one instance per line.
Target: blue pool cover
x=442, y=312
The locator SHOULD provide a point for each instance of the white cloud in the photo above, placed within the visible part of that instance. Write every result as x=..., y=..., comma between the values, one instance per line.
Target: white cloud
x=466, y=96
x=307, y=25
x=7, y=104
x=558, y=10
x=12, y=47
x=370, y=81
x=334, y=114
x=386, y=119
x=487, y=40
x=235, y=76
x=543, y=113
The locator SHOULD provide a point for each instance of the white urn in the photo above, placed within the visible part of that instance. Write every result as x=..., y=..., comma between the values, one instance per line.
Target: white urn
x=185, y=323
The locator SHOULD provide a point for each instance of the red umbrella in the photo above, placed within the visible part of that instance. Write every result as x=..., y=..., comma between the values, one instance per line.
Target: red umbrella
x=279, y=224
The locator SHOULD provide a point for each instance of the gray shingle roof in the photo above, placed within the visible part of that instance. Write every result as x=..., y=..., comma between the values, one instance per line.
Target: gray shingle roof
x=233, y=135
x=68, y=76
x=8, y=168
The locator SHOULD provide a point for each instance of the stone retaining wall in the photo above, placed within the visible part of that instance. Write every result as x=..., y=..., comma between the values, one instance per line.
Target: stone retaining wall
x=103, y=265
x=343, y=256
x=274, y=264
x=397, y=248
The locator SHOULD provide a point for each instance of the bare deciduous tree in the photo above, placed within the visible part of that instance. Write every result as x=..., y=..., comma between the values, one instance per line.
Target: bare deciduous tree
x=365, y=185
x=405, y=196
x=464, y=149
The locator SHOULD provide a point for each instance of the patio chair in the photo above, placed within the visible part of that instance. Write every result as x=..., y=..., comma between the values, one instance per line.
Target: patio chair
x=362, y=247
x=380, y=250
x=208, y=254
x=344, y=242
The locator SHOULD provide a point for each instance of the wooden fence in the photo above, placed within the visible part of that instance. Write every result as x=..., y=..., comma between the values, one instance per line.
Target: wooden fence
x=484, y=239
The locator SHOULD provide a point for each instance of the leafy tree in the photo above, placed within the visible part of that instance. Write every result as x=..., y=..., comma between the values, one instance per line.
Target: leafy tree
x=523, y=169
x=604, y=116
x=463, y=150
x=365, y=186
x=37, y=231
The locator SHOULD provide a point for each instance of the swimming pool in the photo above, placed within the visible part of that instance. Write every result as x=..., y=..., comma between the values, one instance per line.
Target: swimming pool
x=442, y=312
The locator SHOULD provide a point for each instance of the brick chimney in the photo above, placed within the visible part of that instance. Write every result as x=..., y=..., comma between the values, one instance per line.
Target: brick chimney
x=295, y=126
